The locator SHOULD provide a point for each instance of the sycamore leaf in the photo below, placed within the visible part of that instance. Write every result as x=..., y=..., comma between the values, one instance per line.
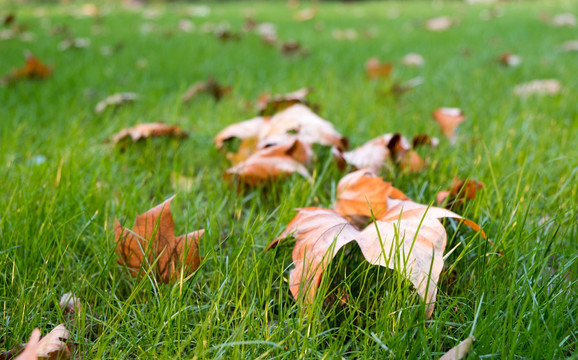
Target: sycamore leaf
x=52, y=346
x=243, y=130
x=272, y=163
x=565, y=19
x=147, y=130
x=412, y=59
x=408, y=238
x=306, y=14
x=115, y=100
x=152, y=241
x=211, y=87
x=439, y=23
x=268, y=105
x=375, y=69
x=449, y=119
x=459, y=351
x=372, y=155
x=362, y=194
x=70, y=304
x=538, y=87
x=460, y=192
x=293, y=48
x=510, y=60
x=32, y=69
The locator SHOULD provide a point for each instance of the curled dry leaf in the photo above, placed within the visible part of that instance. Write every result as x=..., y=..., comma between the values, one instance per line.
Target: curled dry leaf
x=412, y=59
x=538, y=87
x=52, y=346
x=509, y=59
x=293, y=48
x=243, y=130
x=459, y=351
x=409, y=238
x=439, y=23
x=152, y=242
x=32, y=69
x=211, y=87
x=115, y=100
x=147, y=130
x=362, y=195
x=376, y=69
x=272, y=163
x=460, y=192
x=449, y=119
x=268, y=105
x=70, y=304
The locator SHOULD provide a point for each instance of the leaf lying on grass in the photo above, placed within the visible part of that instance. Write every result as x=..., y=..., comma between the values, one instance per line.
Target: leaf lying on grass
x=147, y=130
x=268, y=105
x=376, y=69
x=115, y=100
x=459, y=351
x=211, y=87
x=460, y=192
x=52, y=346
x=538, y=87
x=448, y=119
x=152, y=242
x=510, y=60
x=32, y=69
x=439, y=23
x=413, y=59
x=408, y=237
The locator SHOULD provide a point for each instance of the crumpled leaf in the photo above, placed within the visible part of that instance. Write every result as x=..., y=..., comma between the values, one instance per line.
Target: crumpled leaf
x=376, y=69
x=362, y=194
x=152, y=242
x=70, y=304
x=147, y=130
x=459, y=351
x=268, y=105
x=538, y=87
x=52, y=346
x=564, y=19
x=242, y=130
x=272, y=163
x=413, y=59
x=211, y=87
x=439, y=23
x=509, y=59
x=448, y=120
x=293, y=48
x=115, y=100
x=306, y=14
x=460, y=192
x=409, y=238
x=32, y=69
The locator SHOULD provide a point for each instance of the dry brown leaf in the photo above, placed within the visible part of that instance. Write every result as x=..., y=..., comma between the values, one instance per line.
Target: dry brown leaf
x=409, y=238
x=115, y=100
x=73, y=43
x=52, y=346
x=571, y=45
x=32, y=69
x=459, y=351
x=460, y=192
x=70, y=304
x=538, y=87
x=268, y=105
x=293, y=48
x=411, y=162
x=147, y=130
x=243, y=130
x=412, y=59
x=152, y=241
x=374, y=153
x=211, y=87
x=300, y=122
x=306, y=14
x=424, y=140
x=362, y=195
x=272, y=163
x=439, y=23
x=376, y=69
x=509, y=59
x=449, y=119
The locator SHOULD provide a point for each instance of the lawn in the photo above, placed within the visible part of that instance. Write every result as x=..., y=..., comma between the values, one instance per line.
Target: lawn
x=63, y=185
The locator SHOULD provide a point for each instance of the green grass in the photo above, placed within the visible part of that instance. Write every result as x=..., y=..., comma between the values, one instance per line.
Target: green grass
x=56, y=217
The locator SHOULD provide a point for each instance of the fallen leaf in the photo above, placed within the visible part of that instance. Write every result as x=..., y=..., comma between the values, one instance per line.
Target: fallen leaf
x=538, y=87
x=399, y=89
x=271, y=163
x=459, y=351
x=306, y=14
x=8, y=19
x=211, y=87
x=32, y=69
x=566, y=19
x=70, y=304
x=439, y=23
x=243, y=130
x=411, y=162
x=225, y=34
x=509, y=59
x=460, y=192
x=424, y=140
x=147, y=130
x=409, y=239
x=74, y=43
x=52, y=346
x=570, y=45
x=268, y=105
x=371, y=155
x=362, y=195
x=115, y=100
x=346, y=34
x=293, y=48
x=375, y=69
x=412, y=59
x=152, y=241
x=449, y=119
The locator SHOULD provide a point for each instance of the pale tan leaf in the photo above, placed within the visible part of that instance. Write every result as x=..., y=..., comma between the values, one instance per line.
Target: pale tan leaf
x=70, y=304
x=538, y=87
x=29, y=352
x=242, y=130
x=147, y=130
x=448, y=120
x=115, y=100
x=376, y=69
x=459, y=351
x=413, y=59
x=439, y=23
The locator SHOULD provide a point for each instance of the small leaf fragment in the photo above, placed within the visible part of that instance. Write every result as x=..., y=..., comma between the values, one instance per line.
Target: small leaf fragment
x=459, y=351
x=115, y=100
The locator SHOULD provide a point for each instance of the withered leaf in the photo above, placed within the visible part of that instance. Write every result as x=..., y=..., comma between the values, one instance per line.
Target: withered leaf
x=70, y=304
x=211, y=87
x=459, y=351
x=571, y=45
x=439, y=23
x=115, y=100
x=409, y=238
x=460, y=192
x=52, y=346
x=272, y=163
x=412, y=59
x=362, y=195
x=376, y=69
x=509, y=59
x=147, y=130
x=538, y=87
x=293, y=48
x=268, y=105
x=306, y=14
x=448, y=120
x=32, y=69
x=243, y=130
x=152, y=242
